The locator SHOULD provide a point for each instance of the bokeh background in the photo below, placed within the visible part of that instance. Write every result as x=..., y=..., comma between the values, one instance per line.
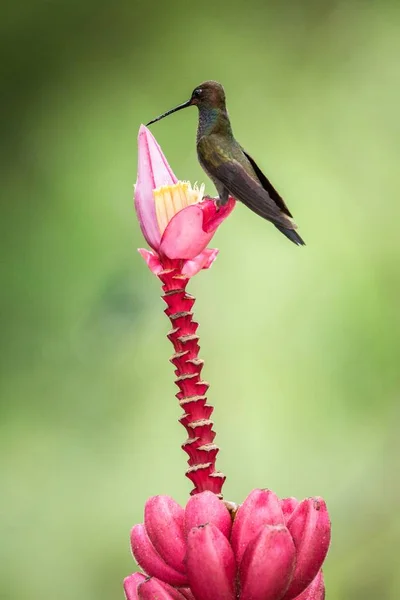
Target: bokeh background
x=301, y=345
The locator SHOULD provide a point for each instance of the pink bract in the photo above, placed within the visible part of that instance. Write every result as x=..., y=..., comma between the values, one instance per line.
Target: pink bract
x=153, y=172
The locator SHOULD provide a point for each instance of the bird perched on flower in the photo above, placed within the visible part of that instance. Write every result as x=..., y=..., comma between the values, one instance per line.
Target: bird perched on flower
x=233, y=171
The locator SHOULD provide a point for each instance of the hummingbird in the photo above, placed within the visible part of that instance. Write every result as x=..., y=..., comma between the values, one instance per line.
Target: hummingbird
x=233, y=171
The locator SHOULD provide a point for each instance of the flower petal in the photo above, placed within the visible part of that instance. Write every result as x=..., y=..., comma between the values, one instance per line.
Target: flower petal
x=267, y=565
x=315, y=591
x=191, y=229
x=184, y=236
x=204, y=260
x=154, y=589
x=163, y=519
x=153, y=171
x=210, y=564
x=207, y=508
x=310, y=528
x=152, y=260
x=261, y=507
x=150, y=561
x=214, y=215
x=131, y=584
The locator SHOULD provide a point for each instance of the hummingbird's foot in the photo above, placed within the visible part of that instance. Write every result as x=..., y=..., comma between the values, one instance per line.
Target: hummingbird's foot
x=223, y=197
x=221, y=201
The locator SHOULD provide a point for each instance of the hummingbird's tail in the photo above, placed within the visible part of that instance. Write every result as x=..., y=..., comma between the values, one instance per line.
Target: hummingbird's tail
x=292, y=235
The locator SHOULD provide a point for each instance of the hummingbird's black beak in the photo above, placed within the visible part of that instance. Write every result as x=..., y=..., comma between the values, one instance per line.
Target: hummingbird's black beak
x=169, y=112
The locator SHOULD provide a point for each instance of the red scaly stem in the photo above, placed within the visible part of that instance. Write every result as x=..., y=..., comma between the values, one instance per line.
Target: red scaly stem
x=200, y=445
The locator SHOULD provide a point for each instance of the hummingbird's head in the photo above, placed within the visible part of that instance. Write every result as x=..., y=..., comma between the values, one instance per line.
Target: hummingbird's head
x=208, y=95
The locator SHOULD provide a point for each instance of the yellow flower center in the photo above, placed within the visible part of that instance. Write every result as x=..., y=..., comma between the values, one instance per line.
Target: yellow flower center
x=170, y=199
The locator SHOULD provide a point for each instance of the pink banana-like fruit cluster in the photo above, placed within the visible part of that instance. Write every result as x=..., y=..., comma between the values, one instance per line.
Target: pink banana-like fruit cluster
x=266, y=549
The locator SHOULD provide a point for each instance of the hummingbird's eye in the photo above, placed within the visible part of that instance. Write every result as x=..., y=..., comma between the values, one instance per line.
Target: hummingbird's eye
x=197, y=93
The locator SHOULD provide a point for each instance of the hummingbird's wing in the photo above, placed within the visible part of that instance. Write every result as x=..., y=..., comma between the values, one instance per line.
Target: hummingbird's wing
x=246, y=188
x=267, y=185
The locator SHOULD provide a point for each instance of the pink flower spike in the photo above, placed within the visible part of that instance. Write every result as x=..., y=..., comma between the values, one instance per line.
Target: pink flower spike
x=131, y=584
x=267, y=565
x=153, y=589
x=163, y=519
x=150, y=561
x=152, y=260
x=204, y=260
x=315, y=591
x=175, y=219
x=153, y=172
x=210, y=564
x=207, y=508
x=310, y=529
x=261, y=507
x=288, y=505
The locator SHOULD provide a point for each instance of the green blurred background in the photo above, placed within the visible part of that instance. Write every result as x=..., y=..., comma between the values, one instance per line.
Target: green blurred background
x=301, y=345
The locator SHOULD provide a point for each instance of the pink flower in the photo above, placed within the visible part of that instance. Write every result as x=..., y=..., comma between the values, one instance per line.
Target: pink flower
x=175, y=219
x=266, y=549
